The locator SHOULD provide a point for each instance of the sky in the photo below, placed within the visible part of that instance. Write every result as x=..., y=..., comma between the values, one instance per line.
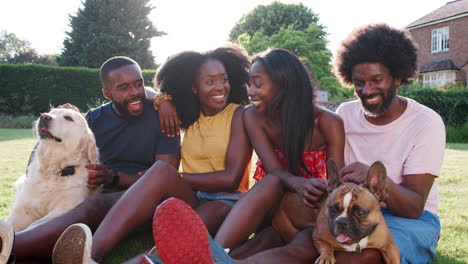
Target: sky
x=204, y=24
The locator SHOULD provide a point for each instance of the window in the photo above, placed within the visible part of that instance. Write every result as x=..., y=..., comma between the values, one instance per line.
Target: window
x=440, y=39
x=438, y=79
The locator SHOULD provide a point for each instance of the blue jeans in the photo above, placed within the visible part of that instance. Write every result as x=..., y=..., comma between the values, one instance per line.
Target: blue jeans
x=416, y=238
x=225, y=197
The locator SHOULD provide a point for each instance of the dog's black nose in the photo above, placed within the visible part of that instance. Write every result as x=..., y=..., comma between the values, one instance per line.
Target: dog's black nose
x=343, y=222
x=45, y=117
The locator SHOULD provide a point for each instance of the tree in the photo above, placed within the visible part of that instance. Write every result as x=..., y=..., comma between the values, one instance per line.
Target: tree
x=269, y=19
x=106, y=28
x=290, y=26
x=31, y=56
x=11, y=46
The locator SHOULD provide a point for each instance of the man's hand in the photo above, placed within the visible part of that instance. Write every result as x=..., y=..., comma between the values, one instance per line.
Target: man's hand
x=98, y=174
x=311, y=191
x=69, y=106
x=355, y=172
x=168, y=119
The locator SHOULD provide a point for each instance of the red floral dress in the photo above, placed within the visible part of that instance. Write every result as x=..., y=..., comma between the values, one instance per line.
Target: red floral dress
x=315, y=161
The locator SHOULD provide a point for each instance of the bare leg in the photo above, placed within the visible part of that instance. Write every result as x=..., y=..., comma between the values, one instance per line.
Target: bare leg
x=38, y=241
x=266, y=239
x=249, y=212
x=138, y=204
x=213, y=214
x=299, y=250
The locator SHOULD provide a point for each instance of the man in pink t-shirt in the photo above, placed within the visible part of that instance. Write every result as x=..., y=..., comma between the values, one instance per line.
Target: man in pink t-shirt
x=407, y=137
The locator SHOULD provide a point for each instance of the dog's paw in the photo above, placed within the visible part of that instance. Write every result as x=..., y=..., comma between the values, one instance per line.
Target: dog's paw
x=325, y=260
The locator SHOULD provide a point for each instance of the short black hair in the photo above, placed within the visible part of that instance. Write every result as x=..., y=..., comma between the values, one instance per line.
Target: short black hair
x=178, y=74
x=293, y=104
x=381, y=43
x=113, y=64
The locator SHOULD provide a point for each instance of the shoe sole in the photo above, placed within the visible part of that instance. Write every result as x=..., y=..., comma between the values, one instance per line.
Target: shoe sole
x=180, y=235
x=73, y=246
x=7, y=234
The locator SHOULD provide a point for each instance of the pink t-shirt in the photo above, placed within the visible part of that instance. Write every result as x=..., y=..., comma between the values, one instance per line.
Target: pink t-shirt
x=412, y=144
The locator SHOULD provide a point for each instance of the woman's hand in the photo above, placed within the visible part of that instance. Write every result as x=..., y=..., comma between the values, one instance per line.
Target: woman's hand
x=168, y=119
x=311, y=190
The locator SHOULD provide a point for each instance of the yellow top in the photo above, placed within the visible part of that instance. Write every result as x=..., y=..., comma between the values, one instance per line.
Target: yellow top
x=206, y=142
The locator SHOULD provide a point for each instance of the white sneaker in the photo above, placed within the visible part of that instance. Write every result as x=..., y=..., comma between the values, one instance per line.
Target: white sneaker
x=7, y=235
x=73, y=246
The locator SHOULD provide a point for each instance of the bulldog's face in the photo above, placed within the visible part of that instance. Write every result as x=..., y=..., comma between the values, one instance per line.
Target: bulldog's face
x=353, y=211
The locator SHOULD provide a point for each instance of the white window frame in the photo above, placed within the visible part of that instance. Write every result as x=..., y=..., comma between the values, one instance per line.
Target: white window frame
x=438, y=79
x=440, y=39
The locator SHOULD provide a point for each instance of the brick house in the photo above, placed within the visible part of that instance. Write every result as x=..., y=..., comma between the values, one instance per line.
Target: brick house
x=442, y=38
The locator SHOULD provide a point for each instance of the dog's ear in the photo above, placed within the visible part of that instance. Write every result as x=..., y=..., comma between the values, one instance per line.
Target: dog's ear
x=376, y=180
x=91, y=148
x=334, y=179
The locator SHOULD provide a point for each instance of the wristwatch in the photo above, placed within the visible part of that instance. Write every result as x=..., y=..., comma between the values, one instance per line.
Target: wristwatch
x=115, y=178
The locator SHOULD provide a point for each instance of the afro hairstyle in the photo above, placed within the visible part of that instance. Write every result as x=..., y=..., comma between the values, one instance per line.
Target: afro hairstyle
x=381, y=43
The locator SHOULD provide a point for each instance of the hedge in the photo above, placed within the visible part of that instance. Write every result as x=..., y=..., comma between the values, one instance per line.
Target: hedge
x=32, y=89
x=451, y=105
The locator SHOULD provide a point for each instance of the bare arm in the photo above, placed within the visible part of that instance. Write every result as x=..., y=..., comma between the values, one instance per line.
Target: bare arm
x=168, y=119
x=310, y=189
x=99, y=174
x=239, y=153
x=409, y=198
x=406, y=199
x=332, y=127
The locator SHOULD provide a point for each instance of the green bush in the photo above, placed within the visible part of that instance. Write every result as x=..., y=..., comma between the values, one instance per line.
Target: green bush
x=457, y=134
x=336, y=92
x=32, y=89
x=23, y=121
x=450, y=104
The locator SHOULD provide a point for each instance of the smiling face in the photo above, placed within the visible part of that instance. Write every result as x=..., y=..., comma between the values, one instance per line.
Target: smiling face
x=212, y=87
x=125, y=88
x=375, y=87
x=262, y=90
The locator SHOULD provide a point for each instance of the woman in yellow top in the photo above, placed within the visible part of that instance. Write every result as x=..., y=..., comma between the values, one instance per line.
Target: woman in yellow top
x=209, y=91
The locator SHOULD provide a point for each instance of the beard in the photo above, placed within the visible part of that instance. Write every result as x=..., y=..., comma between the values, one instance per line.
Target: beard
x=376, y=110
x=122, y=108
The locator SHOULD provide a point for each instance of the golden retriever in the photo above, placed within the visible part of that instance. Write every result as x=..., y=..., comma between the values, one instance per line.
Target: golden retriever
x=56, y=176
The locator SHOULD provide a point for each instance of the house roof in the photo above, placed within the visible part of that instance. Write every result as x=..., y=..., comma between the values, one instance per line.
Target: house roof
x=451, y=9
x=444, y=64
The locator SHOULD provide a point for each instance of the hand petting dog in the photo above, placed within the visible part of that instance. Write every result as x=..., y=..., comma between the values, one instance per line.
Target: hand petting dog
x=350, y=218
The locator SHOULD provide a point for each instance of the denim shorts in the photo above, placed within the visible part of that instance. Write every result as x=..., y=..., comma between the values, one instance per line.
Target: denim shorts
x=416, y=238
x=225, y=197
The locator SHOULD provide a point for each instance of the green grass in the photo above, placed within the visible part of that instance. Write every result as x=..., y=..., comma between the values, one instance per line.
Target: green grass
x=16, y=144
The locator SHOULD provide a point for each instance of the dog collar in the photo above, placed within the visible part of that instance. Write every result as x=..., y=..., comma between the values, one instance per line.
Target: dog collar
x=67, y=171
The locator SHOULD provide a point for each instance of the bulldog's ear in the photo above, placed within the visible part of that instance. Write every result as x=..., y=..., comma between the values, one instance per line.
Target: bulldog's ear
x=376, y=180
x=334, y=179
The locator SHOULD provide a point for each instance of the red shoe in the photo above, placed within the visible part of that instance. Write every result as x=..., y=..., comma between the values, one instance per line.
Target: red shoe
x=180, y=235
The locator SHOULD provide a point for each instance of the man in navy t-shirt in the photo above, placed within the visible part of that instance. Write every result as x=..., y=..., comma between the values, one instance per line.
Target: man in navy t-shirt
x=130, y=141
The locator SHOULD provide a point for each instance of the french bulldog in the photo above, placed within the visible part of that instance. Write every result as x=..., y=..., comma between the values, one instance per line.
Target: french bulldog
x=350, y=218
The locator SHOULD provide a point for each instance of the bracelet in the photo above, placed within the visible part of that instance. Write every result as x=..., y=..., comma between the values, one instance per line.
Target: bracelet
x=159, y=98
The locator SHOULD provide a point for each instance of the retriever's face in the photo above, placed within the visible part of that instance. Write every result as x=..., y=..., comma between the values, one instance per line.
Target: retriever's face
x=66, y=129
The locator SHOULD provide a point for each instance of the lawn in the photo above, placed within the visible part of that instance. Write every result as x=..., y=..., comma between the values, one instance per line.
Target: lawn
x=16, y=145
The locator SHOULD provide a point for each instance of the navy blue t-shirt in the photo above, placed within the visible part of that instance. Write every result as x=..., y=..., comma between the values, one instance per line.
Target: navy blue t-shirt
x=129, y=144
